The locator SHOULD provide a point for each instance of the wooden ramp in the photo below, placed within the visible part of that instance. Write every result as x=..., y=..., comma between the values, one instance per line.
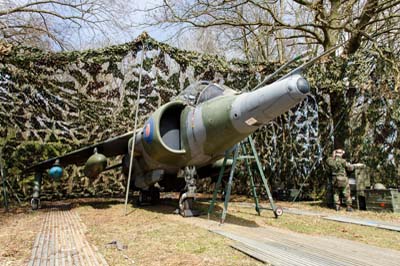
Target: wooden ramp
x=336, y=218
x=364, y=222
x=281, y=247
x=62, y=241
x=278, y=246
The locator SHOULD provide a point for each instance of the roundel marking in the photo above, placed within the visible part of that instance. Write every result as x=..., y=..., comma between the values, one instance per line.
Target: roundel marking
x=148, y=131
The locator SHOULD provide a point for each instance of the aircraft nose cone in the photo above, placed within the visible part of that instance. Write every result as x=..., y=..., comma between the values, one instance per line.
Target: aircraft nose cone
x=303, y=86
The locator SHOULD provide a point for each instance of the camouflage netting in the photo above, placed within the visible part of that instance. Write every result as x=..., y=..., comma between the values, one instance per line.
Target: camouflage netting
x=55, y=102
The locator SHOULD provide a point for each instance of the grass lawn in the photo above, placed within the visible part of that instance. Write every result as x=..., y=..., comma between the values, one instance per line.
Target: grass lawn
x=155, y=236
x=18, y=230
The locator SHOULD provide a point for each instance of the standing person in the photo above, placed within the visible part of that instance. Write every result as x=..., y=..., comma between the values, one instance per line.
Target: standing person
x=338, y=167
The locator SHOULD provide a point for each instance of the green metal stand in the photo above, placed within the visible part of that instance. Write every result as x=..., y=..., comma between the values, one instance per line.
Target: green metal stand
x=229, y=185
x=218, y=184
x=253, y=187
x=277, y=210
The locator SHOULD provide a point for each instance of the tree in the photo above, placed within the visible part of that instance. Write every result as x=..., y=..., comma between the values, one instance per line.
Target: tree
x=201, y=40
x=59, y=24
x=296, y=23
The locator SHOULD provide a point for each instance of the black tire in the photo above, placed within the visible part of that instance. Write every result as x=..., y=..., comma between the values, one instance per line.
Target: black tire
x=188, y=204
x=155, y=196
x=278, y=212
x=139, y=201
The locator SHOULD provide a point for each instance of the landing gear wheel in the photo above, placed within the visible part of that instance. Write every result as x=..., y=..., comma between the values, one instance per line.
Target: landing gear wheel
x=278, y=212
x=188, y=204
x=186, y=208
x=140, y=200
x=155, y=196
x=35, y=203
x=148, y=197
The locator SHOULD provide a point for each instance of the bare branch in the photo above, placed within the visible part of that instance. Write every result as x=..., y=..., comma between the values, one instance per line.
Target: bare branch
x=57, y=22
x=316, y=20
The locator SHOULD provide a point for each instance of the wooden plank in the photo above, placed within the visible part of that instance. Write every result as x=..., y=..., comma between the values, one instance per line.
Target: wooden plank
x=363, y=222
x=250, y=252
x=336, y=218
x=281, y=247
x=278, y=253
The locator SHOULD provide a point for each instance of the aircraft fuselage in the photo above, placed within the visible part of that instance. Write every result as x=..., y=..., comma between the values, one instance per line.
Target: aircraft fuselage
x=179, y=134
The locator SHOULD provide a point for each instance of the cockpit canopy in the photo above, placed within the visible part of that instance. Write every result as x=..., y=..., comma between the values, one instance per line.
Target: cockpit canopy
x=203, y=91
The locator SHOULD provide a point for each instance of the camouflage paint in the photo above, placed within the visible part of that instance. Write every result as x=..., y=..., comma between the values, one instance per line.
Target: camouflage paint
x=184, y=130
x=221, y=134
x=197, y=136
x=95, y=92
x=210, y=128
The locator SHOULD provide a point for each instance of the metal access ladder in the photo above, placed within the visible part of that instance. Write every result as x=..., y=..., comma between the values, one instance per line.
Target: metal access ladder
x=246, y=157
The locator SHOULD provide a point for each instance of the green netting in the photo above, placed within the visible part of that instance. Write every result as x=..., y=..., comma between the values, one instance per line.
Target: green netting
x=55, y=102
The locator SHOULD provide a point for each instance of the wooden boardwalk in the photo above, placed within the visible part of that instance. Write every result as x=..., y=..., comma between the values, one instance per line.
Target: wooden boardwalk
x=62, y=241
x=336, y=218
x=277, y=246
x=282, y=248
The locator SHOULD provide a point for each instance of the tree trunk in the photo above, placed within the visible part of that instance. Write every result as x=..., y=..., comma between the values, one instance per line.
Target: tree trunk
x=368, y=12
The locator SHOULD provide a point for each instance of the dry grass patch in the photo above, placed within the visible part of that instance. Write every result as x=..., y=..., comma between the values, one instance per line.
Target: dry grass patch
x=155, y=237
x=18, y=230
x=318, y=206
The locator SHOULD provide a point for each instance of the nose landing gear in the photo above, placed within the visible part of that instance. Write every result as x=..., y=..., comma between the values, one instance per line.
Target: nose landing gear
x=189, y=194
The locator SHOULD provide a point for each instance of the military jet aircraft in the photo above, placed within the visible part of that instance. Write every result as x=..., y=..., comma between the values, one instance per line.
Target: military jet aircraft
x=191, y=132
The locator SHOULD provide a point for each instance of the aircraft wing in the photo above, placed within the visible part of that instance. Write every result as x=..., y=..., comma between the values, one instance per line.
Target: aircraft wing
x=110, y=147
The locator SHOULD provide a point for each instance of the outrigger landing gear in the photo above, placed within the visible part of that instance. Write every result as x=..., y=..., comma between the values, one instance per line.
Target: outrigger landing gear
x=187, y=197
x=35, y=201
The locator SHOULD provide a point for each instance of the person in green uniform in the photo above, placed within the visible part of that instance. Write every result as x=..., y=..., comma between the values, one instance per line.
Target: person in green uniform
x=338, y=167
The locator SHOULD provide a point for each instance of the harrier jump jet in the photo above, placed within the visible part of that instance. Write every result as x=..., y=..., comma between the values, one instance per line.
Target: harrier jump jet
x=191, y=132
